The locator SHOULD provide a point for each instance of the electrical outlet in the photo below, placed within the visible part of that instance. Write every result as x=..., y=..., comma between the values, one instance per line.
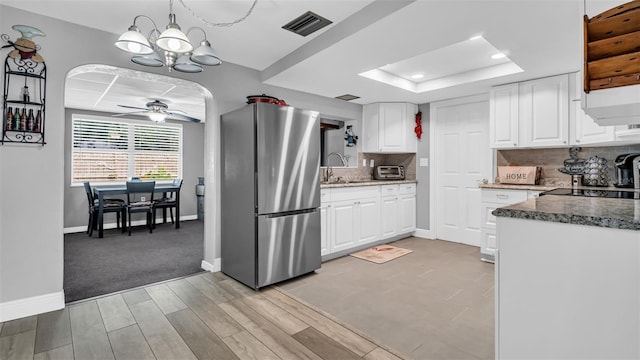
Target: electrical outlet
x=364, y=162
x=371, y=163
x=142, y=198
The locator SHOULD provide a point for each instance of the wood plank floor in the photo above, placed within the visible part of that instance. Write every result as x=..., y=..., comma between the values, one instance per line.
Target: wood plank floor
x=205, y=316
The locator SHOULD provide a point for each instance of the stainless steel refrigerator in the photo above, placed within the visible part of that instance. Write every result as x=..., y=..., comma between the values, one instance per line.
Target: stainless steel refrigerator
x=270, y=193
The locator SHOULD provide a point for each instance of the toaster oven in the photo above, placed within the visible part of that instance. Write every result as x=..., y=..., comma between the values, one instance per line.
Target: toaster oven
x=388, y=172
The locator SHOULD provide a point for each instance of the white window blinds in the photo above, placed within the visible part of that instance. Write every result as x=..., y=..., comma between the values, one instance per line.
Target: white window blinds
x=114, y=151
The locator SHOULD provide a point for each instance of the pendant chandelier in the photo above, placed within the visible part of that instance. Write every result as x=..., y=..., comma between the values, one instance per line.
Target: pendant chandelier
x=171, y=47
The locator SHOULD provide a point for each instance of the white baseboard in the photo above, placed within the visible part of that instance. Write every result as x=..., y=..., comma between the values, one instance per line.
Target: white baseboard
x=77, y=229
x=215, y=267
x=423, y=233
x=20, y=308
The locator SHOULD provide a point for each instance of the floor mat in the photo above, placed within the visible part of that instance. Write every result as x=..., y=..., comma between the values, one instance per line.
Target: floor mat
x=381, y=254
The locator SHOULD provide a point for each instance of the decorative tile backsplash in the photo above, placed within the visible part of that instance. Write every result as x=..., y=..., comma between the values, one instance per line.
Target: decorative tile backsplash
x=366, y=172
x=552, y=159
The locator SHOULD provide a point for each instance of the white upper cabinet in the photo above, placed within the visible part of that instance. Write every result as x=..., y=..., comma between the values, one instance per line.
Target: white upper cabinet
x=530, y=114
x=584, y=130
x=544, y=112
x=388, y=128
x=503, y=111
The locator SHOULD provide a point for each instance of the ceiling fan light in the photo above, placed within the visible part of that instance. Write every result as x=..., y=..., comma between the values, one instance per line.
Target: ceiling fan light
x=157, y=117
x=134, y=42
x=205, y=55
x=184, y=64
x=152, y=60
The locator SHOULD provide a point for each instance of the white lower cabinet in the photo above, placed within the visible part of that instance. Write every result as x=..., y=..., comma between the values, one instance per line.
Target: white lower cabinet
x=355, y=216
x=367, y=220
x=343, y=218
x=406, y=208
x=325, y=222
x=491, y=200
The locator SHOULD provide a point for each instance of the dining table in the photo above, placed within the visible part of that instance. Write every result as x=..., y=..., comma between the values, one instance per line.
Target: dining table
x=101, y=192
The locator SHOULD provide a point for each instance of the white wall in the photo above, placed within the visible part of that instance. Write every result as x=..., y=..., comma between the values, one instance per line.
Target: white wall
x=32, y=177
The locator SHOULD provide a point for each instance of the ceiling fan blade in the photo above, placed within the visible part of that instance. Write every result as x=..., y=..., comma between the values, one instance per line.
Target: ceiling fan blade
x=182, y=117
x=131, y=113
x=132, y=107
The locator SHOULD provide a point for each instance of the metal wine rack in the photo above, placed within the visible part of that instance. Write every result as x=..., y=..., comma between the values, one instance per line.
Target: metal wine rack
x=20, y=73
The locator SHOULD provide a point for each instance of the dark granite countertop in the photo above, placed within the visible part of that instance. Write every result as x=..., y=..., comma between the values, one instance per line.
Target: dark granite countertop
x=591, y=211
x=351, y=183
x=517, y=187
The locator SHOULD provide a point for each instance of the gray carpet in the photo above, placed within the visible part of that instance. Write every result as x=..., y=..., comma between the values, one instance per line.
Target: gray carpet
x=94, y=266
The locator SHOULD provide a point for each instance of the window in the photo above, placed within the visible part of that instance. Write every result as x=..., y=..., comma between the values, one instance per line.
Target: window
x=106, y=151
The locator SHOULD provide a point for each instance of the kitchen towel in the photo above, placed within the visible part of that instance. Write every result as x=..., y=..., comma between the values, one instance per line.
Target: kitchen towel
x=381, y=254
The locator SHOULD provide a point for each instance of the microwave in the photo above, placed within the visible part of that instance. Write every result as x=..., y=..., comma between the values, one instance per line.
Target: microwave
x=388, y=172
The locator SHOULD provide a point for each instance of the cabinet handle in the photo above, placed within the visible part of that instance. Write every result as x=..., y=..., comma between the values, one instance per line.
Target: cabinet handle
x=514, y=144
x=564, y=142
x=502, y=196
x=576, y=141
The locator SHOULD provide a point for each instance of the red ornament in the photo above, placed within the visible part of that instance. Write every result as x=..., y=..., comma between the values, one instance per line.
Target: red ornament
x=418, y=128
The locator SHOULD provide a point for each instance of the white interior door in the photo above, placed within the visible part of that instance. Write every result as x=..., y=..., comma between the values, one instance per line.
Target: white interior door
x=462, y=159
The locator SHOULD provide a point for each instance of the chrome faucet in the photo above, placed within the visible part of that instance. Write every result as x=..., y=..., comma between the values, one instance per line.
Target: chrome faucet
x=328, y=171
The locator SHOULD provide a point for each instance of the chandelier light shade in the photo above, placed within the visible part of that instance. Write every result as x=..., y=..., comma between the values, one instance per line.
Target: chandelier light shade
x=205, y=55
x=134, y=42
x=171, y=47
x=152, y=60
x=173, y=39
x=184, y=64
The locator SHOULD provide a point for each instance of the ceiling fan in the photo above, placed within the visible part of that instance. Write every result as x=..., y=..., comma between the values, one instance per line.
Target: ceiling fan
x=158, y=111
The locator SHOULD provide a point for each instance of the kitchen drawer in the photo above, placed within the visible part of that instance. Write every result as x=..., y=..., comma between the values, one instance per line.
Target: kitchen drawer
x=325, y=195
x=386, y=190
x=407, y=189
x=354, y=193
x=500, y=196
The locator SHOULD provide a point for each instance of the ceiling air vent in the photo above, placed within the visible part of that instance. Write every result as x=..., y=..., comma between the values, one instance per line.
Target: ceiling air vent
x=347, y=97
x=307, y=23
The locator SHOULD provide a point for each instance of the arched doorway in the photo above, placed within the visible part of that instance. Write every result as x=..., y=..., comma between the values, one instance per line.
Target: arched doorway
x=96, y=91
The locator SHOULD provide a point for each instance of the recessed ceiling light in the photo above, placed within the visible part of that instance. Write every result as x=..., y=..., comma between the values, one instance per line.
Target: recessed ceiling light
x=475, y=37
x=498, y=56
x=417, y=76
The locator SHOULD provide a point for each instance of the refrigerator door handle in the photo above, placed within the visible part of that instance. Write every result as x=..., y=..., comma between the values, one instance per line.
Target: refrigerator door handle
x=288, y=213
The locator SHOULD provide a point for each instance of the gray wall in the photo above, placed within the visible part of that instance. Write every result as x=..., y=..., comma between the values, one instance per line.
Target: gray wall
x=422, y=173
x=75, y=200
x=32, y=178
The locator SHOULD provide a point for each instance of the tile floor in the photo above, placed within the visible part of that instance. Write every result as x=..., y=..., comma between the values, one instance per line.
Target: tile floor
x=434, y=303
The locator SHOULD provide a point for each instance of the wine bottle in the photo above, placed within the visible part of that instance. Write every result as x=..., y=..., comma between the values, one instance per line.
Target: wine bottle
x=31, y=121
x=38, y=122
x=23, y=120
x=9, y=119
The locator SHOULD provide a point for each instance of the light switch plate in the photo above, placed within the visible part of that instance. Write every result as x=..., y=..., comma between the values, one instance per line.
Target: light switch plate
x=424, y=161
x=364, y=162
x=371, y=163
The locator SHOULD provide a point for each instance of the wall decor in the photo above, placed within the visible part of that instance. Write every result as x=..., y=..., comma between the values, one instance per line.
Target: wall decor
x=23, y=102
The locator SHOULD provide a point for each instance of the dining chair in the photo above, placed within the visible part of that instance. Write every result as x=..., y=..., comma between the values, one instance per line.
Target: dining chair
x=117, y=206
x=140, y=200
x=167, y=202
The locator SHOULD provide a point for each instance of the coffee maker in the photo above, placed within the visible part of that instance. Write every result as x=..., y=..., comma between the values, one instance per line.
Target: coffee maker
x=624, y=170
